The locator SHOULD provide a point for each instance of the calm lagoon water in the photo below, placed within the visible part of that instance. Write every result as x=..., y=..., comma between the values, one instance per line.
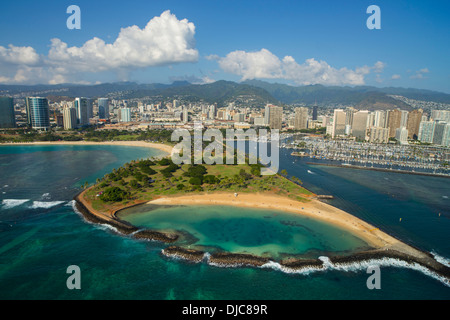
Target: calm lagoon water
x=41, y=234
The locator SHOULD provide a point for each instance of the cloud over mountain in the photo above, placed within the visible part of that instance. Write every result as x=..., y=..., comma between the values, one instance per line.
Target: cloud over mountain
x=264, y=64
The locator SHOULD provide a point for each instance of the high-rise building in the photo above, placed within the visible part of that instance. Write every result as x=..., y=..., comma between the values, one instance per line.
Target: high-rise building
x=103, y=108
x=378, y=135
x=359, y=125
x=301, y=118
x=413, y=123
x=446, y=136
x=275, y=117
x=439, y=130
x=443, y=115
x=404, y=118
x=339, y=120
x=401, y=134
x=267, y=114
x=426, y=131
x=314, y=112
x=394, y=118
x=380, y=119
x=38, y=113
x=125, y=115
x=349, y=112
x=7, y=115
x=70, y=118
x=84, y=110
x=185, y=115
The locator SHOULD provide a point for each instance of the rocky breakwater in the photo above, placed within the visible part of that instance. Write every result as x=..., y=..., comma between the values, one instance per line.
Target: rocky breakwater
x=124, y=227
x=183, y=253
x=425, y=260
x=156, y=236
x=227, y=259
x=302, y=264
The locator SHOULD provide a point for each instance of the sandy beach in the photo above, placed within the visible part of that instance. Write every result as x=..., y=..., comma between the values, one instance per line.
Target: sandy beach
x=314, y=209
x=159, y=146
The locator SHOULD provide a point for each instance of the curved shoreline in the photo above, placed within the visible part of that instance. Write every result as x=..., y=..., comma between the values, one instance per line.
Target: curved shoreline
x=160, y=146
x=384, y=245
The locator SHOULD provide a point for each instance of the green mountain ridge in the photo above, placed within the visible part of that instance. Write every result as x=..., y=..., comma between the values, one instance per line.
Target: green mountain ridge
x=252, y=92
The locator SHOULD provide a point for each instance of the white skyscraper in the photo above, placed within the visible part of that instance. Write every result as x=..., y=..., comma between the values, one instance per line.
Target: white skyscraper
x=83, y=107
x=125, y=115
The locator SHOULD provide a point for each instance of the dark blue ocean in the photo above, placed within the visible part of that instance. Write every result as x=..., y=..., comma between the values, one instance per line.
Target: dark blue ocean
x=41, y=235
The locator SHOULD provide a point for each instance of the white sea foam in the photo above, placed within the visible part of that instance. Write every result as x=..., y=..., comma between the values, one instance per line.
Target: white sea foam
x=46, y=196
x=70, y=203
x=441, y=259
x=309, y=171
x=102, y=226
x=11, y=203
x=359, y=266
x=45, y=204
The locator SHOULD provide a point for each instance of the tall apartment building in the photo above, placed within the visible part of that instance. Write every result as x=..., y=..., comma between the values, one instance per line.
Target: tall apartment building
x=38, y=113
x=359, y=125
x=339, y=121
x=7, y=115
x=314, y=112
x=125, y=115
x=413, y=123
x=393, y=122
x=103, y=108
x=380, y=119
x=275, y=117
x=426, y=131
x=69, y=118
x=301, y=118
x=378, y=135
x=84, y=110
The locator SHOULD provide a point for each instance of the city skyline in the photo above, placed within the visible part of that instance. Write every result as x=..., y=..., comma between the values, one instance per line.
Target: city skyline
x=297, y=43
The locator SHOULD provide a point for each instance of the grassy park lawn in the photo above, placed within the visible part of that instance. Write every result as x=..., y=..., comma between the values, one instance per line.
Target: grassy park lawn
x=145, y=180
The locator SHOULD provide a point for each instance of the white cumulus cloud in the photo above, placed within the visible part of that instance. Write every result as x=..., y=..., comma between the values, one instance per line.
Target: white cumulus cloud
x=265, y=65
x=165, y=40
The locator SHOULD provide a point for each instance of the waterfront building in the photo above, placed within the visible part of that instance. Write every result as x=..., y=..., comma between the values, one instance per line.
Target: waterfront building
x=378, y=135
x=413, y=123
x=426, y=131
x=83, y=107
x=7, y=115
x=401, y=135
x=38, y=113
x=359, y=125
x=394, y=118
x=442, y=115
x=349, y=112
x=339, y=121
x=301, y=118
x=103, y=108
x=125, y=115
x=380, y=119
x=69, y=118
x=439, y=130
x=275, y=117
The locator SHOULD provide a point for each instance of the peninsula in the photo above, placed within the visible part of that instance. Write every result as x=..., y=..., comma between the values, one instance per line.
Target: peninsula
x=161, y=182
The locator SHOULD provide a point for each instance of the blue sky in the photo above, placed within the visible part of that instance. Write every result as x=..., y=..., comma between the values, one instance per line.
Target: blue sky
x=294, y=42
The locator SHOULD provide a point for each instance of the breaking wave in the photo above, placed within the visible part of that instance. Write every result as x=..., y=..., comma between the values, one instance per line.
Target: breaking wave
x=45, y=204
x=11, y=203
x=358, y=266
